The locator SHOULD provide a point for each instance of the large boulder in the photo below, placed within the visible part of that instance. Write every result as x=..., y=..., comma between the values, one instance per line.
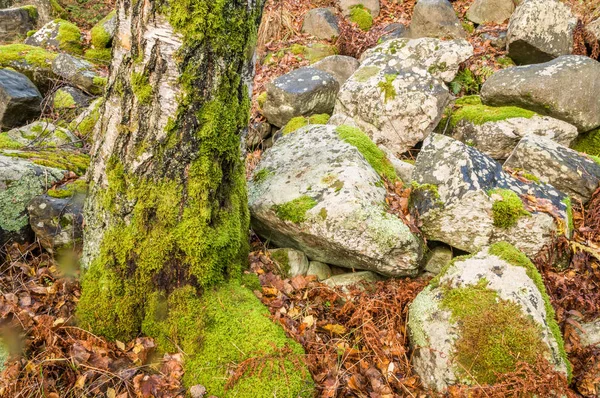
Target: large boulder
x=101, y=39
x=56, y=218
x=398, y=95
x=16, y=22
x=341, y=67
x=495, y=11
x=69, y=101
x=552, y=163
x=40, y=134
x=540, y=30
x=435, y=18
x=321, y=23
x=20, y=100
x=58, y=35
x=480, y=317
x=79, y=73
x=319, y=190
x=565, y=88
x=33, y=62
x=21, y=181
x=464, y=199
x=496, y=131
x=302, y=92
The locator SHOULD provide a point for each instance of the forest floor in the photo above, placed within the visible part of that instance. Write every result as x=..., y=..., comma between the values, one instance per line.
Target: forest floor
x=356, y=342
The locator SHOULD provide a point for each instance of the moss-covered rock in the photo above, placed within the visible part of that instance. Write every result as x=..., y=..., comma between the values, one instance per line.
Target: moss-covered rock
x=103, y=32
x=40, y=134
x=481, y=317
x=302, y=121
x=588, y=143
x=58, y=35
x=361, y=16
x=33, y=62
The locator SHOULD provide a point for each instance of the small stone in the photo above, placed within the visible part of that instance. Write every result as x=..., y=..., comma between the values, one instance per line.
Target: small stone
x=43, y=134
x=435, y=18
x=319, y=269
x=358, y=279
x=341, y=67
x=20, y=100
x=589, y=334
x=291, y=262
x=539, y=31
x=437, y=258
x=497, y=39
x=257, y=133
x=393, y=31
x=321, y=23
x=198, y=391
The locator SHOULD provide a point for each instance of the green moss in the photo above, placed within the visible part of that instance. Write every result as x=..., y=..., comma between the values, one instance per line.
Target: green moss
x=494, y=334
x=295, y=210
x=569, y=205
x=468, y=100
x=100, y=38
x=31, y=33
x=294, y=124
x=361, y=16
x=512, y=255
x=531, y=177
x=62, y=100
x=372, y=154
x=322, y=118
x=323, y=213
x=588, y=143
x=58, y=10
x=237, y=328
x=387, y=87
x=480, y=114
x=99, y=56
x=468, y=27
x=99, y=81
x=65, y=160
x=68, y=190
x=32, y=11
x=508, y=210
x=12, y=54
x=141, y=87
x=7, y=142
x=505, y=61
x=365, y=73
x=262, y=175
x=261, y=99
x=282, y=260
x=85, y=126
x=69, y=37
x=315, y=52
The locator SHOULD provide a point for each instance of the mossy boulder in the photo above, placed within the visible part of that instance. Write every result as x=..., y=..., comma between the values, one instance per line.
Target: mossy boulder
x=16, y=22
x=319, y=190
x=68, y=102
x=479, y=317
x=34, y=62
x=464, y=199
x=435, y=18
x=83, y=124
x=58, y=35
x=38, y=134
x=102, y=35
x=79, y=73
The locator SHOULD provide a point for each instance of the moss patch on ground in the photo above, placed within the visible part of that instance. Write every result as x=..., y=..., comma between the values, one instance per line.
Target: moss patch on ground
x=362, y=17
x=588, y=143
x=7, y=142
x=508, y=210
x=295, y=210
x=371, y=152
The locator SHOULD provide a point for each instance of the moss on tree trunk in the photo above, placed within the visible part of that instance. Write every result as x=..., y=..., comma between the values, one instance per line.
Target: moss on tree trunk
x=167, y=218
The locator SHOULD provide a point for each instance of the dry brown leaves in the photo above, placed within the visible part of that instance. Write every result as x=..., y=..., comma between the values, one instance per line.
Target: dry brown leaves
x=52, y=357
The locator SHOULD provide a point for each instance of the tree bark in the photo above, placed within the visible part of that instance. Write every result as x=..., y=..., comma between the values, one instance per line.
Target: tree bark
x=167, y=211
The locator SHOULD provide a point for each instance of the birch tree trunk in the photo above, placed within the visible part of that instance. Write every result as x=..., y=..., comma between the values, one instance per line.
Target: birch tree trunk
x=167, y=213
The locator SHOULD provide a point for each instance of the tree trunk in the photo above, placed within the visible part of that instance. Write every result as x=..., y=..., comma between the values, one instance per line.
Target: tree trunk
x=167, y=214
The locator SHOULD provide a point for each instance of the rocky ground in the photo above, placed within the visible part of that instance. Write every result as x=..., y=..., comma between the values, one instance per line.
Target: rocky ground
x=423, y=181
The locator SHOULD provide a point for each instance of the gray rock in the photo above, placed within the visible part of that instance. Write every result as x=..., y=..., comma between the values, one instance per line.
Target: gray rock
x=540, y=30
x=341, y=67
x=79, y=73
x=371, y=5
x=58, y=222
x=565, y=88
x=358, y=279
x=397, y=96
x=57, y=35
x=321, y=23
x=319, y=269
x=434, y=325
x=589, y=334
x=291, y=262
x=497, y=139
x=393, y=31
x=21, y=181
x=437, y=258
x=45, y=12
x=42, y=134
x=403, y=169
x=455, y=200
x=20, y=100
x=435, y=18
x=495, y=11
x=497, y=39
x=257, y=133
x=566, y=169
x=69, y=101
x=302, y=92
x=315, y=192
x=16, y=22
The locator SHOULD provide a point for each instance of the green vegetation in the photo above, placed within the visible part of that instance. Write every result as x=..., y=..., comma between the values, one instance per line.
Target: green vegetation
x=505, y=61
x=295, y=210
x=261, y=99
x=68, y=190
x=494, y=333
x=468, y=100
x=32, y=11
x=69, y=37
x=569, y=205
x=508, y=210
x=480, y=114
x=387, y=87
x=588, y=143
x=62, y=100
x=98, y=56
x=100, y=38
x=60, y=159
x=468, y=27
x=512, y=255
x=469, y=82
x=362, y=17
x=301, y=121
x=373, y=155
x=12, y=54
x=85, y=126
x=262, y=175
x=7, y=142
x=141, y=87
x=282, y=260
